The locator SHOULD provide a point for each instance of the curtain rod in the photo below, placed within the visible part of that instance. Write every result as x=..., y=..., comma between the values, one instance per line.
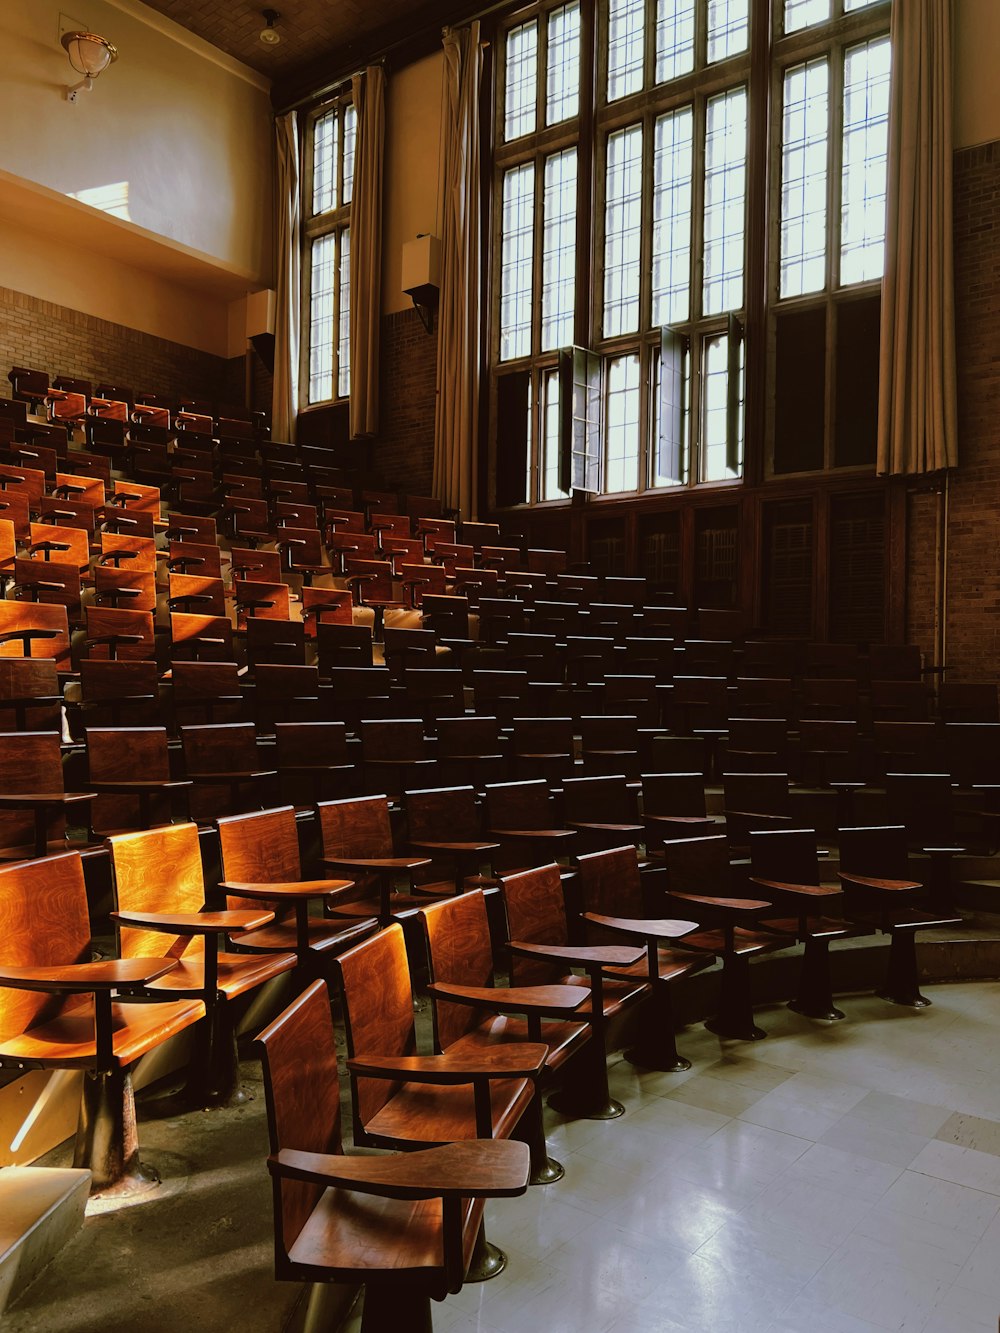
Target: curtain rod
x=381, y=56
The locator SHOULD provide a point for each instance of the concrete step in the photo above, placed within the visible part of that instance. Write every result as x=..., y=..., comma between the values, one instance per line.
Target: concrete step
x=41, y=1210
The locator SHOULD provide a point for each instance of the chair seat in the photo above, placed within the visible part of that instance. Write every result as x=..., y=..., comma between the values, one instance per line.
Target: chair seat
x=432, y=1114
x=326, y=935
x=672, y=964
x=238, y=972
x=562, y=1039
x=746, y=943
x=348, y=1236
x=67, y=1042
x=616, y=994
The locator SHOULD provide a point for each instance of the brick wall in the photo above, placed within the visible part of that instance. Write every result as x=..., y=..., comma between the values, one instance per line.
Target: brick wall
x=50, y=337
x=973, y=648
x=404, y=451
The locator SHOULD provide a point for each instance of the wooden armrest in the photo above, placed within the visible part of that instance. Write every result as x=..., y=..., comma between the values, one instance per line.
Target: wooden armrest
x=377, y=862
x=555, y=1000
x=141, y=785
x=236, y=775
x=724, y=904
x=660, y=929
x=797, y=890
x=533, y=832
x=590, y=956
x=193, y=923
x=882, y=885
x=480, y=1168
x=331, y=889
x=25, y=800
x=78, y=978
x=518, y=1060
x=617, y=828
x=459, y=846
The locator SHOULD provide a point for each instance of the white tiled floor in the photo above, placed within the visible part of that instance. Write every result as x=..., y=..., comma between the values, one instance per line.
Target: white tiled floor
x=831, y=1179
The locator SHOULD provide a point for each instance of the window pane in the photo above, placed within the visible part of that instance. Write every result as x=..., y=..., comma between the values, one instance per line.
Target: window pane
x=725, y=201
x=804, y=137
x=550, y=436
x=559, y=250
x=622, y=450
x=562, y=85
x=350, y=143
x=522, y=80
x=626, y=42
x=866, y=127
x=673, y=149
x=322, y=288
x=344, y=317
x=516, y=255
x=851, y=5
x=715, y=394
x=674, y=39
x=728, y=28
x=622, y=228
x=325, y=137
x=803, y=13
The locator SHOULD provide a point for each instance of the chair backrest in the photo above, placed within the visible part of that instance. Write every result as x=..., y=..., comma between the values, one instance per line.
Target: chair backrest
x=30, y=761
x=787, y=856
x=460, y=737
x=679, y=794
x=123, y=754
x=129, y=552
x=519, y=805
x=44, y=924
x=536, y=913
x=443, y=814
x=23, y=678
x=302, y=1090
x=201, y=638
x=399, y=739
x=196, y=559
x=756, y=793
x=358, y=827
x=158, y=870
x=259, y=848
x=542, y=735
x=601, y=799
x=698, y=865
x=877, y=852
x=110, y=631
x=609, y=884
x=220, y=747
x=313, y=743
x=343, y=644
x=459, y=951
x=375, y=984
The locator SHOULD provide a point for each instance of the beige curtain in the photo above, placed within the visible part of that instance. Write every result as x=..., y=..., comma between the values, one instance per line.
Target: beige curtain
x=366, y=250
x=917, y=429
x=288, y=315
x=456, y=420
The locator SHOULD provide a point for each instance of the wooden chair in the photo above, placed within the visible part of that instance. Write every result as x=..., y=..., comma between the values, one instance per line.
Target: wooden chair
x=280, y=642
x=34, y=629
x=756, y=745
x=315, y=754
x=610, y=745
x=395, y=754
x=196, y=594
x=261, y=864
x=283, y=692
x=160, y=891
x=205, y=692
x=356, y=837
x=50, y=583
x=258, y=600
x=403, y=1100
x=119, y=635
x=520, y=815
x=33, y=797
x=604, y=812
x=699, y=882
x=124, y=589
x=445, y=823
x=61, y=1010
x=924, y=804
x=223, y=763
x=30, y=696
x=755, y=802
x=541, y=954
x=341, y=645
x=610, y=894
x=114, y=694
x=542, y=747
x=326, y=606
x=784, y=867
x=264, y=566
x=471, y=1014
x=673, y=806
x=191, y=559
x=408, y=1227
x=880, y=892
x=129, y=769
x=200, y=638
x=472, y=748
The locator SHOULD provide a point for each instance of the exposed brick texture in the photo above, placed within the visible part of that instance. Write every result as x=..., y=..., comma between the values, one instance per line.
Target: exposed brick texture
x=49, y=337
x=404, y=450
x=973, y=645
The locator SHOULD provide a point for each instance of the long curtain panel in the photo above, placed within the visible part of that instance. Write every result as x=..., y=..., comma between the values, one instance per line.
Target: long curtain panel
x=368, y=91
x=458, y=361
x=288, y=313
x=917, y=429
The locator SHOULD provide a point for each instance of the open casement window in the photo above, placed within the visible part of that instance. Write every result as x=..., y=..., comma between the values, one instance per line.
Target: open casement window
x=328, y=182
x=581, y=402
x=513, y=443
x=671, y=460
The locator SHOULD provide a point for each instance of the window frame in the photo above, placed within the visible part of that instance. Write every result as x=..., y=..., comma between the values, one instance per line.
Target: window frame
x=316, y=226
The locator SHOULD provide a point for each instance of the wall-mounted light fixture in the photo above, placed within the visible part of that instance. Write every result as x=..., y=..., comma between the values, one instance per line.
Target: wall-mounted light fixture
x=270, y=35
x=89, y=55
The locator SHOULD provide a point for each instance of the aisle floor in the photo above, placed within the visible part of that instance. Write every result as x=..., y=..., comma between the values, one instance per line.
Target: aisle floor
x=836, y=1178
